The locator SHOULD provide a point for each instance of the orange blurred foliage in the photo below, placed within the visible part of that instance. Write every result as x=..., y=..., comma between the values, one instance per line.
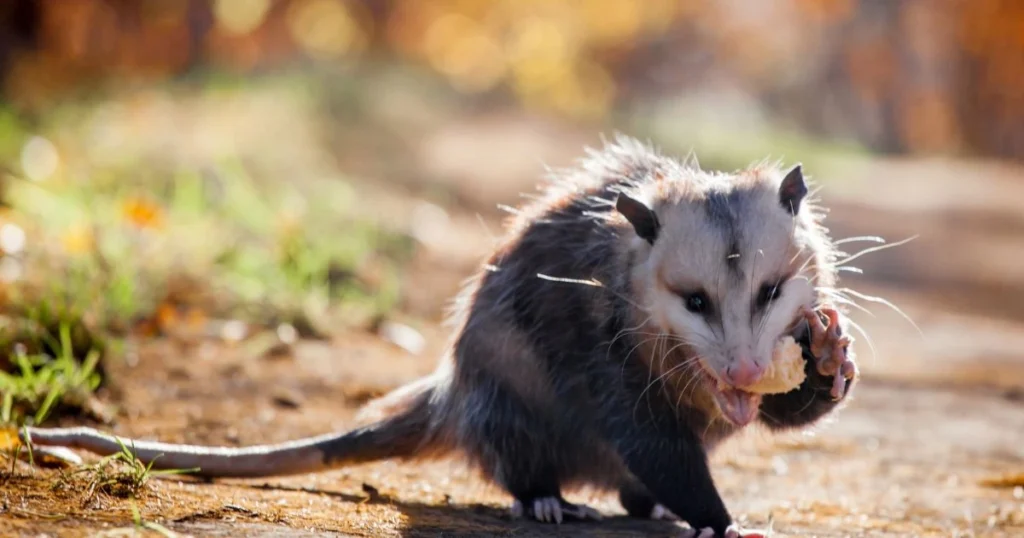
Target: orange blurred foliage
x=142, y=213
x=913, y=75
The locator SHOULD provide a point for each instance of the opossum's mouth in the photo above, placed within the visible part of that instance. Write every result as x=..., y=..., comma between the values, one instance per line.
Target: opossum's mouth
x=737, y=406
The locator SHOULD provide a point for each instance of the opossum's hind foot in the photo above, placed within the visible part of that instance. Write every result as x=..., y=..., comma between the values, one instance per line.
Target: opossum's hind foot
x=553, y=510
x=659, y=512
x=640, y=504
x=732, y=532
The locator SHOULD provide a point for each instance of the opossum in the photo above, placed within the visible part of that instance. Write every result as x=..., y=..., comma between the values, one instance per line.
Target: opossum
x=606, y=342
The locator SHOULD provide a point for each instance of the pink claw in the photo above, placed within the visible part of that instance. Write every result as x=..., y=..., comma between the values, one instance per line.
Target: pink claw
x=732, y=532
x=735, y=532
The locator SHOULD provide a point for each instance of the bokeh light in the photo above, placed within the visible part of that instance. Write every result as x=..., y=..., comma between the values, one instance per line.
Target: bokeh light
x=326, y=27
x=889, y=71
x=240, y=16
x=39, y=158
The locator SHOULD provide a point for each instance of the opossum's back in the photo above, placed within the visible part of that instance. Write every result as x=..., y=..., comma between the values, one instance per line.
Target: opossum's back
x=590, y=188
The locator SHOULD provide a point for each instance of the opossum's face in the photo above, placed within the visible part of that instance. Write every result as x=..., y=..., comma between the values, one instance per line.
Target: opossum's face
x=725, y=276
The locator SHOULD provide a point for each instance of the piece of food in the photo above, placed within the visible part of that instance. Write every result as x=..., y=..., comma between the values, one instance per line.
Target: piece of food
x=786, y=371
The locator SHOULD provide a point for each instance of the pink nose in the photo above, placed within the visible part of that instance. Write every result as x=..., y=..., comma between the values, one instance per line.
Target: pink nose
x=743, y=372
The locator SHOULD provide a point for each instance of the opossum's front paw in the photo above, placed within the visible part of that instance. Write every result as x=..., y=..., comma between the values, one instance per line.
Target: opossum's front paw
x=732, y=532
x=829, y=347
x=553, y=510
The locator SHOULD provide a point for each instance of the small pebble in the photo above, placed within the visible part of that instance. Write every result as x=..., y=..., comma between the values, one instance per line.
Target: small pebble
x=234, y=331
x=1015, y=394
x=287, y=399
x=287, y=333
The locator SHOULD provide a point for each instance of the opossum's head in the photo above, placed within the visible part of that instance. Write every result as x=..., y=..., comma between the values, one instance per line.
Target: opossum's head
x=722, y=265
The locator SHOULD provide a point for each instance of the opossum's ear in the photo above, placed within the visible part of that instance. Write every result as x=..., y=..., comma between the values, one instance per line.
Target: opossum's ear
x=643, y=218
x=793, y=190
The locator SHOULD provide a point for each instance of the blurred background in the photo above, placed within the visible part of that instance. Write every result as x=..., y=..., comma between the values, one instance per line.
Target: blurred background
x=895, y=77
x=199, y=164
x=253, y=174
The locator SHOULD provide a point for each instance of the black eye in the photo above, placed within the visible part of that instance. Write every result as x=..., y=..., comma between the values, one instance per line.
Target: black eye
x=698, y=302
x=768, y=293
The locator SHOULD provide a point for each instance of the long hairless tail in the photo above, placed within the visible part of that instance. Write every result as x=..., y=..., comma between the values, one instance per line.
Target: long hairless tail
x=412, y=431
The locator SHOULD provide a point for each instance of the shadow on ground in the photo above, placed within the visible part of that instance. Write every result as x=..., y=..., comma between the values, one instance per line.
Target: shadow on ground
x=470, y=520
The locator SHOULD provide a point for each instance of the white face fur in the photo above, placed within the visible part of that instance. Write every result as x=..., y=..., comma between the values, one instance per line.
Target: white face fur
x=710, y=277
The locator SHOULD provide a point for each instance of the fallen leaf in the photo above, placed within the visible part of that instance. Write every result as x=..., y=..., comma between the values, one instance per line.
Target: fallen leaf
x=9, y=438
x=287, y=399
x=166, y=316
x=1009, y=480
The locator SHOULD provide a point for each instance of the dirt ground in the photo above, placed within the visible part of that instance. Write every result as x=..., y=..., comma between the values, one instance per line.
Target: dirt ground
x=938, y=411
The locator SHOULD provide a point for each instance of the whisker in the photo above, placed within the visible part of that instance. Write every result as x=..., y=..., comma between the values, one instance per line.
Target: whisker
x=795, y=256
x=625, y=359
x=696, y=374
x=807, y=261
x=625, y=332
x=487, y=230
x=650, y=374
x=707, y=429
x=659, y=359
x=867, y=338
x=840, y=298
x=753, y=271
x=870, y=250
x=591, y=282
x=765, y=414
x=870, y=238
x=653, y=382
x=662, y=357
x=885, y=302
x=693, y=383
x=637, y=346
